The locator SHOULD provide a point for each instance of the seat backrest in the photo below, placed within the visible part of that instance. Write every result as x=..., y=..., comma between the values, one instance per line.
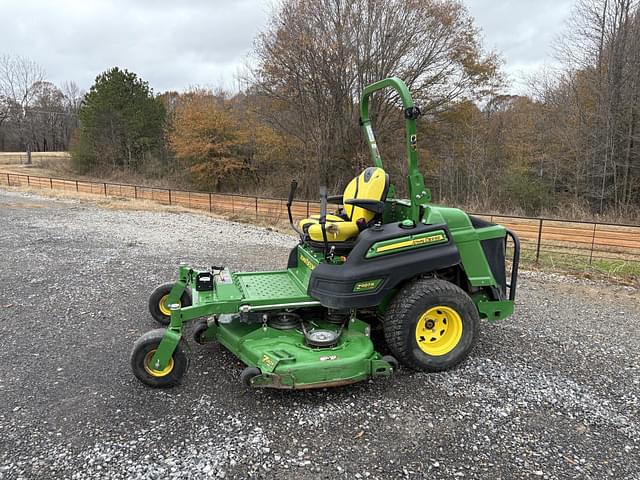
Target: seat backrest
x=372, y=184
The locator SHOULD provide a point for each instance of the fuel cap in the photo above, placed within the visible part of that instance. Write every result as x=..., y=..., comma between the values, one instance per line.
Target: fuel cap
x=407, y=223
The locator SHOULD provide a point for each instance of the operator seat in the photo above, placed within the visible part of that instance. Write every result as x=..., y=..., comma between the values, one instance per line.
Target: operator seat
x=371, y=185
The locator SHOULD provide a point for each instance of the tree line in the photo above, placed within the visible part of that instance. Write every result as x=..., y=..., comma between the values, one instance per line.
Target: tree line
x=35, y=114
x=570, y=146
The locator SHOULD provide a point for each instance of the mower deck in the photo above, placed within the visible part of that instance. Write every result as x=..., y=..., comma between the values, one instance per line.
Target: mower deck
x=283, y=357
x=286, y=362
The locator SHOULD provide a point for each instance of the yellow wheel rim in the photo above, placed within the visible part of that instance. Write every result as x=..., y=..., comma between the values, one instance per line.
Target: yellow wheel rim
x=152, y=371
x=438, y=330
x=164, y=309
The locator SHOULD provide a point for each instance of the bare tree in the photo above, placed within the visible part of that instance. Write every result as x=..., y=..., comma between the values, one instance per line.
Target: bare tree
x=19, y=83
x=601, y=54
x=316, y=56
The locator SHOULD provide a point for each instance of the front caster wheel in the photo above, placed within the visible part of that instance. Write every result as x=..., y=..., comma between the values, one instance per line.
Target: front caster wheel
x=142, y=353
x=158, y=303
x=247, y=374
x=431, y=325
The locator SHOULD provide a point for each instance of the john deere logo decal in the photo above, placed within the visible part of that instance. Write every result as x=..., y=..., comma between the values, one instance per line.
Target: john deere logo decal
x=433, y=238
x=310, y=265
x=407, y=243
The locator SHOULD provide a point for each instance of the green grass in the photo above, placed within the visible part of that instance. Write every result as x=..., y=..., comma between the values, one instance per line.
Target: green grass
x=626, y=270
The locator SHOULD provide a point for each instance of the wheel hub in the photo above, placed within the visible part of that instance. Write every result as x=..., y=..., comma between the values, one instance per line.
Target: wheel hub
x=438, y=330
x=152, y=371
x=164, y=307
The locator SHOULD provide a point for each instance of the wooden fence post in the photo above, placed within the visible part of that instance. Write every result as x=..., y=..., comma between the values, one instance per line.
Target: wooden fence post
x=28, y=180
x=593, y=242
x=77, y=189
x=169, y=190
x=105, y=188
x=256, y=208
x=8, y=180
x=51, y=183
x=135, y=191
x=539, y=241
x=210, y=210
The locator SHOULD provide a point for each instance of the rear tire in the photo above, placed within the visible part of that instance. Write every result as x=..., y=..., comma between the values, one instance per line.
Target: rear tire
x=431, y=325
x=142, y=353
x=158, y=308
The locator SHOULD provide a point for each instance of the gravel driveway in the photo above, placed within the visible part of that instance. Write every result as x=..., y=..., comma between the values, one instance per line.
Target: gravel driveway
x=553, y=392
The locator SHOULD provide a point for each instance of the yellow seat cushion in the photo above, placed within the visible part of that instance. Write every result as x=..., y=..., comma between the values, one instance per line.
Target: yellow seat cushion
x=313, y=219
x=372, y=184
x=336, y=231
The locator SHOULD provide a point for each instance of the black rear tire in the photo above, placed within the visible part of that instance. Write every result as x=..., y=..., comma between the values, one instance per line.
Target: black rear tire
x=157, y=303
x=141, y=355
x=416, y=328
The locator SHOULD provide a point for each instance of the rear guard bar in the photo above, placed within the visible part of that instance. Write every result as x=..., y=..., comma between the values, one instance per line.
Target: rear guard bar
x=515, y=263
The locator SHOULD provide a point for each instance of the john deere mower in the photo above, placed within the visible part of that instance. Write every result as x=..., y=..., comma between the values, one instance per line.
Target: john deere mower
x=416, y=275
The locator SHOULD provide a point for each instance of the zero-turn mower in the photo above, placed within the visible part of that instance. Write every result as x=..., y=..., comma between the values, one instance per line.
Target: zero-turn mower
x=424, y=275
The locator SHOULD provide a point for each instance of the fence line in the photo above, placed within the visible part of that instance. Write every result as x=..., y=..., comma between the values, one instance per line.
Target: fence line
x=539, y=235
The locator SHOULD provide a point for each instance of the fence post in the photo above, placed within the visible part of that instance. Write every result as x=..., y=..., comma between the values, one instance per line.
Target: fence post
x=28, y=180
x=189, y=196
x=256, y=208
x=593, y=242
x=8, y=180
x=105, y=188
x=51, y=183
x=210, y=202
x=307, y=208
x=233, y=205
x=77, y=190
x=135, y=191
x=539, y=241
x=169, y=190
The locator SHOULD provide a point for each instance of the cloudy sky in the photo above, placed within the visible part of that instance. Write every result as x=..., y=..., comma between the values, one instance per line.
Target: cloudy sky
x=175, y=44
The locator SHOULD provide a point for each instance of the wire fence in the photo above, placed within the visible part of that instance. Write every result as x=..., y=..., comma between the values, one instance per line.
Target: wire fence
x=587, y=242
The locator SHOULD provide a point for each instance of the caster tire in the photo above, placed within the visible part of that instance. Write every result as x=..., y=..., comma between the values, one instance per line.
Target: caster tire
x=199, y=328
x=157, y=303
x=142, y=353
x=247, y=374
x=391, y=361
x=431, y=325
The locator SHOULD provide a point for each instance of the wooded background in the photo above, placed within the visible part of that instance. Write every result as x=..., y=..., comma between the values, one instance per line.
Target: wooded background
x=570, y=146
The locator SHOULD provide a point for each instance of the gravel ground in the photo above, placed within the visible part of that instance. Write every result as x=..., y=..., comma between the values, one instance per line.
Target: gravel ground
x=553, y=392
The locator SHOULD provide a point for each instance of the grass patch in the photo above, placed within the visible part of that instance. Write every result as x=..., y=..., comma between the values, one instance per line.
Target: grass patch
x=625, y=270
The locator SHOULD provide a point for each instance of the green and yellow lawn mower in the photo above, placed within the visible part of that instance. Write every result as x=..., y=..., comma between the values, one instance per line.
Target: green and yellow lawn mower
x=417, y=275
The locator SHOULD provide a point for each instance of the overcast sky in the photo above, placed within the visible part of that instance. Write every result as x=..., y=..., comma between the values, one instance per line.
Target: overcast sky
x=174, y=44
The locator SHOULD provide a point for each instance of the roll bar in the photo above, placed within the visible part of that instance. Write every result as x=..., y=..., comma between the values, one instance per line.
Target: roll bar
x=418, y=193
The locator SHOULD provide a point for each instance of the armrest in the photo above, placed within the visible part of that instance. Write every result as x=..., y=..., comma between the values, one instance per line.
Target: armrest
x=374, y=206
x=335, y=199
